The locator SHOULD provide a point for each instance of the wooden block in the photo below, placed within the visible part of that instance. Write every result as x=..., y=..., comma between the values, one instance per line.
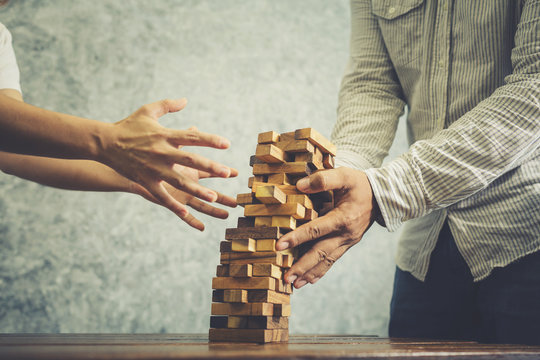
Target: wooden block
x=268, y=296
x=282, y=287
x=282, y=310
x=245, y=222
x=310, y=215
x=316, y=138
x=315, y=159
x=222, y=270
x=263, y=221
x=225, y=246
x=279, y=179
x=303, y=200
x=266, y=244
x=249, y=335
x=270, y=194
x=268, y=322
x=298, y=146
x=328, y=161
x=284, y=222
x=254, y=233
x=267, y=270
x=267, y=283
x=267, y=257
x=268, y=137
x=296, y=210
x=243, y=245
x=269, y=153
x=238, y=322
x=253, y=160
x=287, y=136
x=240, y=270
x=235, y=296
x=246, y=309
x=220, y=322
x=292, y=168
x=244, y=199
x=287, y=189
x=288, y=260
x=257, y=178
x=217, y=296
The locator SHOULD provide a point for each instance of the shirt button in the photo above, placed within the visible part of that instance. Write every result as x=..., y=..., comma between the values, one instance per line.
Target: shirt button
x=441, y=63
x=391, y=10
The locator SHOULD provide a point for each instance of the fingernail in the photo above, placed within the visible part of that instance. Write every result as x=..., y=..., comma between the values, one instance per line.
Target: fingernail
x=300, y=283
x=282, y=246
x=225, y=143
x=292, y=278
x=303, y=183
x=225, y=171
x=183, y=101
x=315, y=280
x=212, y=196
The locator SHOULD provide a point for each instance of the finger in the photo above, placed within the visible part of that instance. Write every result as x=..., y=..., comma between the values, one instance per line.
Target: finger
x=312, y=230
x=193, y=222
x=199, y=162
x=165, y=199
x=197, y=138
x=189, y=186
x=226, y=200
x=207, y=209
x=162, y=107
x=315, y=273
x=204, y=174
x=323, y=180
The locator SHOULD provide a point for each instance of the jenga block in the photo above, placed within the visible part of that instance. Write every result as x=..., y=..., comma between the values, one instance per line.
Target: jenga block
x=268, y=296
x=225, y=246
x=268, y=322
x=269, y=153
x=268, y=137
x=222, y=270
x=316, y=138
x=296, y=210
x=292, y=168
x=288, y=260
x=310, y=215
x=253, y=160
x=279, y=179
x=282, y=309
x=217, y=296
x=235, y=296
x=240, y=270
x=252, y=258
x=270, y=194
x=287, y=189
x=244, y=199
x=220, y=322
x=287, y=136
x=243, y=245
x=246, y=309
x=328, y=161
x=298, y=146
x=257, y=178
x=303, y=200
x=282, y=287
x=263, y=221
x=266, y=244
x=243, y=283
x=267, y=270
x=254, y=233
x=245, y=222
x=284, y=222
x=249, y=335
x=237, y=322
x=315, y=159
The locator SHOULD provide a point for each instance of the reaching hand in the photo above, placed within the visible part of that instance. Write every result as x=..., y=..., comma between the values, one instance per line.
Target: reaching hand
x=334, y=233
x=147, y=153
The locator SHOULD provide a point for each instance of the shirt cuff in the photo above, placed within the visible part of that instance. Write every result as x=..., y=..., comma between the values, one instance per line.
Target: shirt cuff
x=398, y=192
x=351, y=160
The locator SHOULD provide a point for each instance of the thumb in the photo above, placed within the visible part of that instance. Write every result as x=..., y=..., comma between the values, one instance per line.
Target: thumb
x=162, y=107
x=322, y=181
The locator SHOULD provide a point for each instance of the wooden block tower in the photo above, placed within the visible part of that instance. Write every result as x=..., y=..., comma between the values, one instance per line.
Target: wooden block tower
x=251, y=302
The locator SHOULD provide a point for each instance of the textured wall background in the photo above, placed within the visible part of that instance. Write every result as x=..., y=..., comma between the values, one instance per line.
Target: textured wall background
x=92, y=262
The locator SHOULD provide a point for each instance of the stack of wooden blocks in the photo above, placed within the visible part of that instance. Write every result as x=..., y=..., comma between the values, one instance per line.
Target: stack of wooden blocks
x=251, y=302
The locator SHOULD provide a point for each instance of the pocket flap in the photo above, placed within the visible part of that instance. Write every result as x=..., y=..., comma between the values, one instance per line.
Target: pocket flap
x=391, y=9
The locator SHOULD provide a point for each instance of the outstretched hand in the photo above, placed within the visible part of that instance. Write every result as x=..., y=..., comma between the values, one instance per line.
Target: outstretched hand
x=335, y=232
x=149, y=154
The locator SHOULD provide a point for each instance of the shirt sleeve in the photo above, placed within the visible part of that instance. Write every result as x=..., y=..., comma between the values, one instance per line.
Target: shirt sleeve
x=496, y=136
x=370, y=97
x=9, y=71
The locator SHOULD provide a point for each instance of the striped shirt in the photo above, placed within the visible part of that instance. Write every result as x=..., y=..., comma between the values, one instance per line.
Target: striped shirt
x=469, y=74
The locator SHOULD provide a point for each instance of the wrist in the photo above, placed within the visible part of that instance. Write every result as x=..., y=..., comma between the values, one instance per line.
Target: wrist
x=102, y=139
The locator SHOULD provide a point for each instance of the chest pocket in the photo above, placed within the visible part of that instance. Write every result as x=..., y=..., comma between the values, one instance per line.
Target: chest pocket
x=401, y=24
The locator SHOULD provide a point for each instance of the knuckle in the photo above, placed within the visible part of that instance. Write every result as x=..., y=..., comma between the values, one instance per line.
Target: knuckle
x=314, y=232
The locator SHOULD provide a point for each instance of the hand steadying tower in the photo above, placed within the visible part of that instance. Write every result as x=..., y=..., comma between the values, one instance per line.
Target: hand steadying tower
x=251, y=303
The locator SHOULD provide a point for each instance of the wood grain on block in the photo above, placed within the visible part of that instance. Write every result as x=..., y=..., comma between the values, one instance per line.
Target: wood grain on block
x=303, y=200
x=279, y=179
x=268, y=322
x=245, y=199
x=287, y=136
x=287, y=189
x=235, y=296
x=298, y=146
x=288, y=260
x=243, y=245
x=270, y=194
x=249, y=335
x=269, y=153
x=266, y=245
x=217, y=295
x=225, y=246
x=282, y=310
x=268, y=296
x=243, y=222
x=285, y=222
x=310, y=215
x=222, y=270
x=257, y=178
x=240, y=270
x=296, y=210
x=268, y=257
x=283, y=287
x=268, y=137
x=328, y=161
x=237, y=322
x=253, y=160
x=292, y=168
x=315, y=159
x=263, y=221
x=254, y=233
x=246, y=309
x=317, y=139
x=267, y=270
x=267, y=283
x=219, y=322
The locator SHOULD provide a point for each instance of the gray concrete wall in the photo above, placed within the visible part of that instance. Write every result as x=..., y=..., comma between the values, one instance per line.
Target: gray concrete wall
x=94, y=262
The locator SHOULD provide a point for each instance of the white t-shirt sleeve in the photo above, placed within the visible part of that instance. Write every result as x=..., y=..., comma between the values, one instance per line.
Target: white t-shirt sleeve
x=9, y=71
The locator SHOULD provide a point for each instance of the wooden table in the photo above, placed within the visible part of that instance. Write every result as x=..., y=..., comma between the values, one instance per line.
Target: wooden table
x=189, y=346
